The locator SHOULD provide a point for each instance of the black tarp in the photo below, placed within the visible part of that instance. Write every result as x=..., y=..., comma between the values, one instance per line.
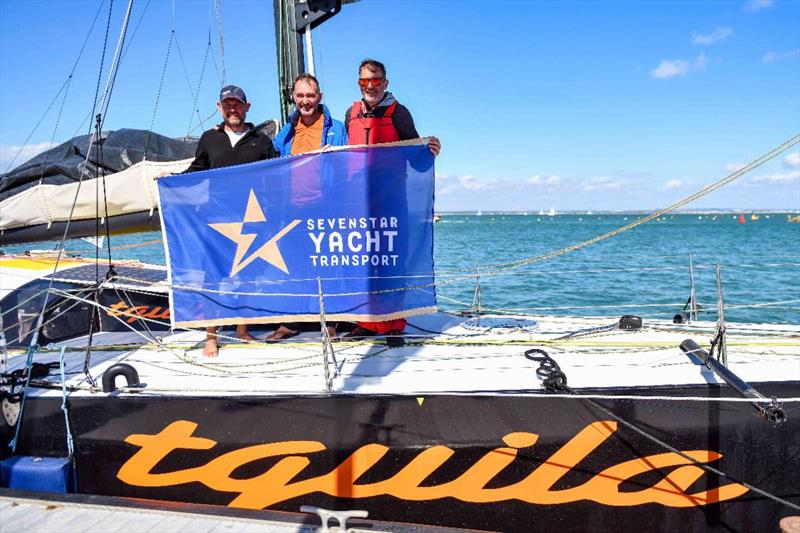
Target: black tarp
x=61, y=165
x=120, y=150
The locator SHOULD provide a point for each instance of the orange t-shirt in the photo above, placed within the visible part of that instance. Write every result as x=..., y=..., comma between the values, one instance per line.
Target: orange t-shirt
x=307, y=138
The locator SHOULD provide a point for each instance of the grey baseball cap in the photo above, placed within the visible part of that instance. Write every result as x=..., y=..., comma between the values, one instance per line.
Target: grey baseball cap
x=232, y=91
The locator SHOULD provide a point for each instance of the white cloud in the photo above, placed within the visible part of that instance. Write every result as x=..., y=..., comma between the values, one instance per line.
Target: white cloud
x=671, y=185
x=756, y=5
x=774, y=57
x=544, y=181
x=792, y=160
x=603, y=183
x=449, y=184
x=718, y=35
x=613, y=191
x=471, y=183
x=734, y=167
x=670, y=68
x=8, y=154
x=779, y=177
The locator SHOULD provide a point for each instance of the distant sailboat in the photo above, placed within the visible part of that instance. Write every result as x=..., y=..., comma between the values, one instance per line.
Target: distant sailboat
x=478, y=212
x=552, y=212
x=541, y=212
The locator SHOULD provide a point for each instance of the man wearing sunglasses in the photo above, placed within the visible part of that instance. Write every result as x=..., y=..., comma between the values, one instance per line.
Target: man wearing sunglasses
x=379, y=118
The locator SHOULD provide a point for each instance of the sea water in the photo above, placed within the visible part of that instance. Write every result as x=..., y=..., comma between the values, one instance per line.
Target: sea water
x=642, y=271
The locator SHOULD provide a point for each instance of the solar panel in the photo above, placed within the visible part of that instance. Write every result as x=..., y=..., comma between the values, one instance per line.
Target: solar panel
x=91, y=274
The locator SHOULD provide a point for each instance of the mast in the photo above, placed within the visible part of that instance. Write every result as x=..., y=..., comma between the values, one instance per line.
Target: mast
x=294, y=20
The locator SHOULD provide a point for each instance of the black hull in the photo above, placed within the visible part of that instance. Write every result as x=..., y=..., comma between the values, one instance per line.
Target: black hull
x=596, y=487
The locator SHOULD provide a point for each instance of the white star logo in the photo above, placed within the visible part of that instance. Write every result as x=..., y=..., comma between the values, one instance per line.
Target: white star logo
x=268, y=252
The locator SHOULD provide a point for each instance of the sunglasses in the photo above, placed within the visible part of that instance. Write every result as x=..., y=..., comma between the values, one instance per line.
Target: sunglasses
x=366, y=82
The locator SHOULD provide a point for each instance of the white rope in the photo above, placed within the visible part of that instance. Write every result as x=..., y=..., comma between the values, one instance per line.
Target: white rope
x=633, y=269
x=64, y=407
x=668, y=305
x=118, y=316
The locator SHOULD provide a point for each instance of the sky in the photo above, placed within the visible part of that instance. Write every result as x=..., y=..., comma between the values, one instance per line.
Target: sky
x=575, y=105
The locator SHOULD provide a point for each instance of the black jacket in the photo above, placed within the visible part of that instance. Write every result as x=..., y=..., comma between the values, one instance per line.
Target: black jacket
x=214, y=149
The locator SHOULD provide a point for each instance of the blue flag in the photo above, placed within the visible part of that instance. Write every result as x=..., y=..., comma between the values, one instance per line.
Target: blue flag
x=259, y=243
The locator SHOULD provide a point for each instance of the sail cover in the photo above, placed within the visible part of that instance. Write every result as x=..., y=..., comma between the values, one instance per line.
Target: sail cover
x=37, y=197
x=260, y=243
x=116, y=151
x=112, y=179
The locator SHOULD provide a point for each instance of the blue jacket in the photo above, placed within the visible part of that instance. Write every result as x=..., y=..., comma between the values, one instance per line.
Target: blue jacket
x=333, y=133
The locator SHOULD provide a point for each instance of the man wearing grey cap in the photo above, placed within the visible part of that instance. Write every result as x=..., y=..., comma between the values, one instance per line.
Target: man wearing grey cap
x=234, y=142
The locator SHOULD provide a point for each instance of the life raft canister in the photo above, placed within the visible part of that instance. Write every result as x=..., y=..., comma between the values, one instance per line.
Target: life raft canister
x=371, y=130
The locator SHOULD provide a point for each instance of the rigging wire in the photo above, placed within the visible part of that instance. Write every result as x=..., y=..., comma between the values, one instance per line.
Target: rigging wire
x=197, y=93
x=109, y=87
x=27, y=140
x=99, y=78
x=104, y=104
x=158, y=93
x=202, y=122
x=218, y=9
x=63, y=86
x=40, y=317
x=553, y=379
x=216, y=68
x=632, y=269
x=188, y=82
x=514, y=265
x=83, y=122
x=135, y=29
x=115, y=64
x=778, y=150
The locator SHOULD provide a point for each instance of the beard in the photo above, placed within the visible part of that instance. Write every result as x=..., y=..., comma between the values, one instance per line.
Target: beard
x=234, y=121
x=372, y=99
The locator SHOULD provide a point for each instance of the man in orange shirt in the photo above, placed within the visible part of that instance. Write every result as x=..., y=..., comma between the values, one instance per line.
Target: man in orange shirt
x=310, y=127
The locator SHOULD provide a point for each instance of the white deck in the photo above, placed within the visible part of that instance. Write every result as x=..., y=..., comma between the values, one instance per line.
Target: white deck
x=41, y=516
x=455, y=359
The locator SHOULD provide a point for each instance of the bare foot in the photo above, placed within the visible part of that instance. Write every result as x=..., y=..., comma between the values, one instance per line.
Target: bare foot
x=241, y=332
x=210, y=349
x=281, y=333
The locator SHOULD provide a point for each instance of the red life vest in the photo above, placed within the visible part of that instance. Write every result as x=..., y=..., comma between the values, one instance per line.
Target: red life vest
x=371, y=130
x=374, y=130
